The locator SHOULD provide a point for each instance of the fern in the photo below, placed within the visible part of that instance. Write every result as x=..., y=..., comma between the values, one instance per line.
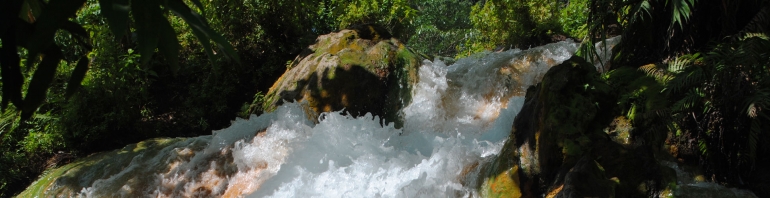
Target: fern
x=690, y=100
x=754, y=103
x=657, y=71
x=703, y=147
x=692, y=76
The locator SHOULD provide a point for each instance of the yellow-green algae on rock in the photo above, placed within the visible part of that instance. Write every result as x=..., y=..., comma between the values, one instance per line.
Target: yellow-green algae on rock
x=505, y=184
x=68, y=180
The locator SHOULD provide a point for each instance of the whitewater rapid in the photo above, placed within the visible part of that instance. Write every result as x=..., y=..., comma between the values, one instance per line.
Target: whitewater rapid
x=460, y=114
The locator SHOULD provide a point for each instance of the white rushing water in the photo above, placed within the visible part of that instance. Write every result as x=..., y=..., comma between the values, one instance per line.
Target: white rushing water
x=460, y=114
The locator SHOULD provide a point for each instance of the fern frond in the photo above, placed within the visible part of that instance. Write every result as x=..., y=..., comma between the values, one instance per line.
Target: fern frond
x=691, y=76
x=703, y=147
x=753, y=104
x=656, y=71
x=690, y=100
x=752, y=141
x=755, y=35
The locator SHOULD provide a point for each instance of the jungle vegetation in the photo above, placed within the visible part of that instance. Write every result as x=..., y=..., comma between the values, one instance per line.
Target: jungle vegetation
x=84, y=76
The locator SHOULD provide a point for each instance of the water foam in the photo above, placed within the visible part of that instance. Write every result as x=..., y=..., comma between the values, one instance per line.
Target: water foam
x=459, y=115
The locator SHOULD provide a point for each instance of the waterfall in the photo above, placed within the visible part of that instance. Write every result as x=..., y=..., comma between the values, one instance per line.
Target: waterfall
x=460, y=115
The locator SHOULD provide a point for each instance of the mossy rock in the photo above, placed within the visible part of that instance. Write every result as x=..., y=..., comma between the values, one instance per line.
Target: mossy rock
x=563, y=121
x=586, y=179
x=361, y=70
x=70, y=179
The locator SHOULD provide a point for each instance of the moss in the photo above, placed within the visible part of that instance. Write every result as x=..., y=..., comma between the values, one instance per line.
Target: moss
x=505, y=184
x=359, y=70
x=72, y=171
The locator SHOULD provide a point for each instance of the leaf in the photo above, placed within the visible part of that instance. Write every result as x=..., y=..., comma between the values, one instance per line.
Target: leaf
x=11, y=71
x=77, y=76
x=169, y=44
x=116, y=12
x=146, y=13
x=53, y=16
x=202, y=31
x=41, y=80
x=753, y=140
x=681, y=12
x=703, y=147
x=30, y=10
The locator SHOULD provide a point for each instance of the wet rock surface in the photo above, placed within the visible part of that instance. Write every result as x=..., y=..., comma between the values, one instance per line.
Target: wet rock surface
x=359, y=70
x=558, y=141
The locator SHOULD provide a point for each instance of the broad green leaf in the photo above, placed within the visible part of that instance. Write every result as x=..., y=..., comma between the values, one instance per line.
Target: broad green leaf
x=146, y=13
x=224, y=46
x=53, y=16
x=30, y=10
x=41, y=80
x=77, y=76
x=116, y=12
x=11, y=71
x=196, y=22
x=169, y=44
x=201, y=29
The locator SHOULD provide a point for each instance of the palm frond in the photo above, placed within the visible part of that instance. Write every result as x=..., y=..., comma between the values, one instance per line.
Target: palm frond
x=681, y=12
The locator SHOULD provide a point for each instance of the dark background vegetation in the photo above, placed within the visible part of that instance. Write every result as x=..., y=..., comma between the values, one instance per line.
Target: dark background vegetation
x=689, y=73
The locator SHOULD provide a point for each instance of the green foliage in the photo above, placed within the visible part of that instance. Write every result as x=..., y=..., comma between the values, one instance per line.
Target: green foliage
x=506, y=22
x=499, y=24
x=395, y=15
x=573, y=18
x=441, y=27
x=29, y=146
x=720, y=97
x=32, y=25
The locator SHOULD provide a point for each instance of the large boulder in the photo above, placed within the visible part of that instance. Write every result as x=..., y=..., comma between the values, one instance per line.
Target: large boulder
x=558, y=143
x=361, y=70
